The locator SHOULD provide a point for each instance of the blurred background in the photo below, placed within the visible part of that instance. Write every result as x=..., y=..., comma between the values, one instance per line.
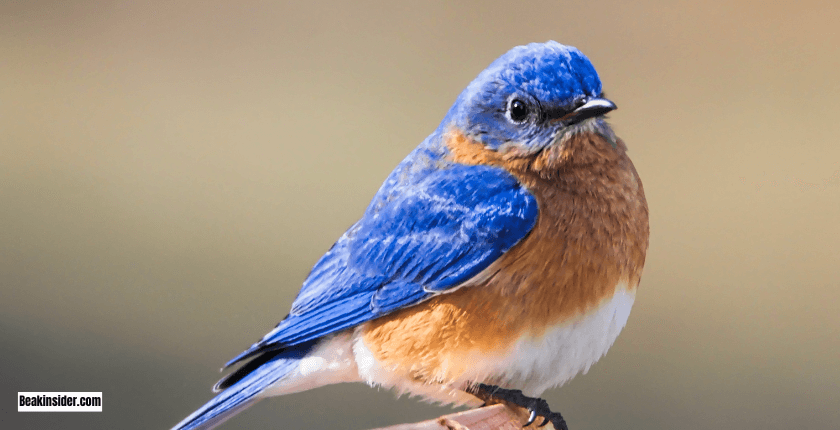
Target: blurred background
x=170, y=172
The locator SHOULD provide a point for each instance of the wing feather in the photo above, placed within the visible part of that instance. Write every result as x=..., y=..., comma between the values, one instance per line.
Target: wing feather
x=420, y=240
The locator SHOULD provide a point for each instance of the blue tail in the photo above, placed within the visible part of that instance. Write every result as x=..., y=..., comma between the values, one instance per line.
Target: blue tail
x=242, y=388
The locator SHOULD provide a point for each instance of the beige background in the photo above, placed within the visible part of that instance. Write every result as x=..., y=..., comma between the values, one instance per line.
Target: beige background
x=169, y=174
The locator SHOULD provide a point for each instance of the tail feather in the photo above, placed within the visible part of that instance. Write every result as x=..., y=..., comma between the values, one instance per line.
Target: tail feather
x=243, y=390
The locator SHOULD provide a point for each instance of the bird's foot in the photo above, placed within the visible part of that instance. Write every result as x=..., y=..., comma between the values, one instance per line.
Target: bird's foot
x=536, y=406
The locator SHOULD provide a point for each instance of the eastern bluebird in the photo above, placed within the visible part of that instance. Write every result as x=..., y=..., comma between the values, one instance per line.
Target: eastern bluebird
x=499, y=259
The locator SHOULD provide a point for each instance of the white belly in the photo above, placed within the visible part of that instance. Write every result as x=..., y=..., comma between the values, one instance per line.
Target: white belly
x=532, y=365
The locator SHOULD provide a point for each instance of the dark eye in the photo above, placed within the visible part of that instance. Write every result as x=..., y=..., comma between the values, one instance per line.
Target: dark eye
x=518, y=110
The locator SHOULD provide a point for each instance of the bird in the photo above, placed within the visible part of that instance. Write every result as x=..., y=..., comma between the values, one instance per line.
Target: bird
x=499, y=259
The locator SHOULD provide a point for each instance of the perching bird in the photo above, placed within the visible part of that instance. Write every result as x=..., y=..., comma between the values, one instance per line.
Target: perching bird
x=503, y=254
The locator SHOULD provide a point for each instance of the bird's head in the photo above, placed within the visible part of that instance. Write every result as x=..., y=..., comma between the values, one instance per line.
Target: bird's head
x=530, y=98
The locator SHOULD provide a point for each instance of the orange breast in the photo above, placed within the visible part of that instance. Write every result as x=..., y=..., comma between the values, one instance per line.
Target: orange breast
x=591, y=234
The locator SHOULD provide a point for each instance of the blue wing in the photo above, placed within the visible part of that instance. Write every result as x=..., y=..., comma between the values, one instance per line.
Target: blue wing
x=414, y=241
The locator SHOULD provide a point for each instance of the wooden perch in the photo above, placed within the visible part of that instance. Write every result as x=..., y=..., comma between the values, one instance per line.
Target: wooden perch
x=495, y=417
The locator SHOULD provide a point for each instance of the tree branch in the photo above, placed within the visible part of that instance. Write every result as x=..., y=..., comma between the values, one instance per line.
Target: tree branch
x=495, y=417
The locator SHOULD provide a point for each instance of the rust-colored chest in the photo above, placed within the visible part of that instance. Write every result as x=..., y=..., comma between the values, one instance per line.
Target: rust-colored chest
x=590, y=238
x=591, y=234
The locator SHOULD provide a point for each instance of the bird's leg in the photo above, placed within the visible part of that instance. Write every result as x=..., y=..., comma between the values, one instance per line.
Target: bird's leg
x=538, y=407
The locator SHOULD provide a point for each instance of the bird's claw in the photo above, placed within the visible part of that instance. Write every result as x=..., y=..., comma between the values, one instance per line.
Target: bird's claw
x=536, y=406
x=531, y=418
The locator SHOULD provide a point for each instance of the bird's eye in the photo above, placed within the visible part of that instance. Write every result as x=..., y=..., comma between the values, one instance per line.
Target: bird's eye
x=518, y=110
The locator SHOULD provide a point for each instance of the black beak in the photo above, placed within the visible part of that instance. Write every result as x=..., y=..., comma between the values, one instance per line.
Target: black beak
x=591, y=108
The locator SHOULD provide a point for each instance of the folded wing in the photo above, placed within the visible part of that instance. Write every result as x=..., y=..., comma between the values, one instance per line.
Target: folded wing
x=412, y=243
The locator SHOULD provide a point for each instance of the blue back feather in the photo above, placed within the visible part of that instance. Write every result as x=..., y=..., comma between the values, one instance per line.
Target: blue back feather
x=430, y=236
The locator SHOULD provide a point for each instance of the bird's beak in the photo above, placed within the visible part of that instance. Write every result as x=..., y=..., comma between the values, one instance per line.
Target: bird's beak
x=592, y=108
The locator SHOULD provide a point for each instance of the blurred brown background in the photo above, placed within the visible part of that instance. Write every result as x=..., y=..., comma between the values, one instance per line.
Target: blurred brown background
x=170, y=172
